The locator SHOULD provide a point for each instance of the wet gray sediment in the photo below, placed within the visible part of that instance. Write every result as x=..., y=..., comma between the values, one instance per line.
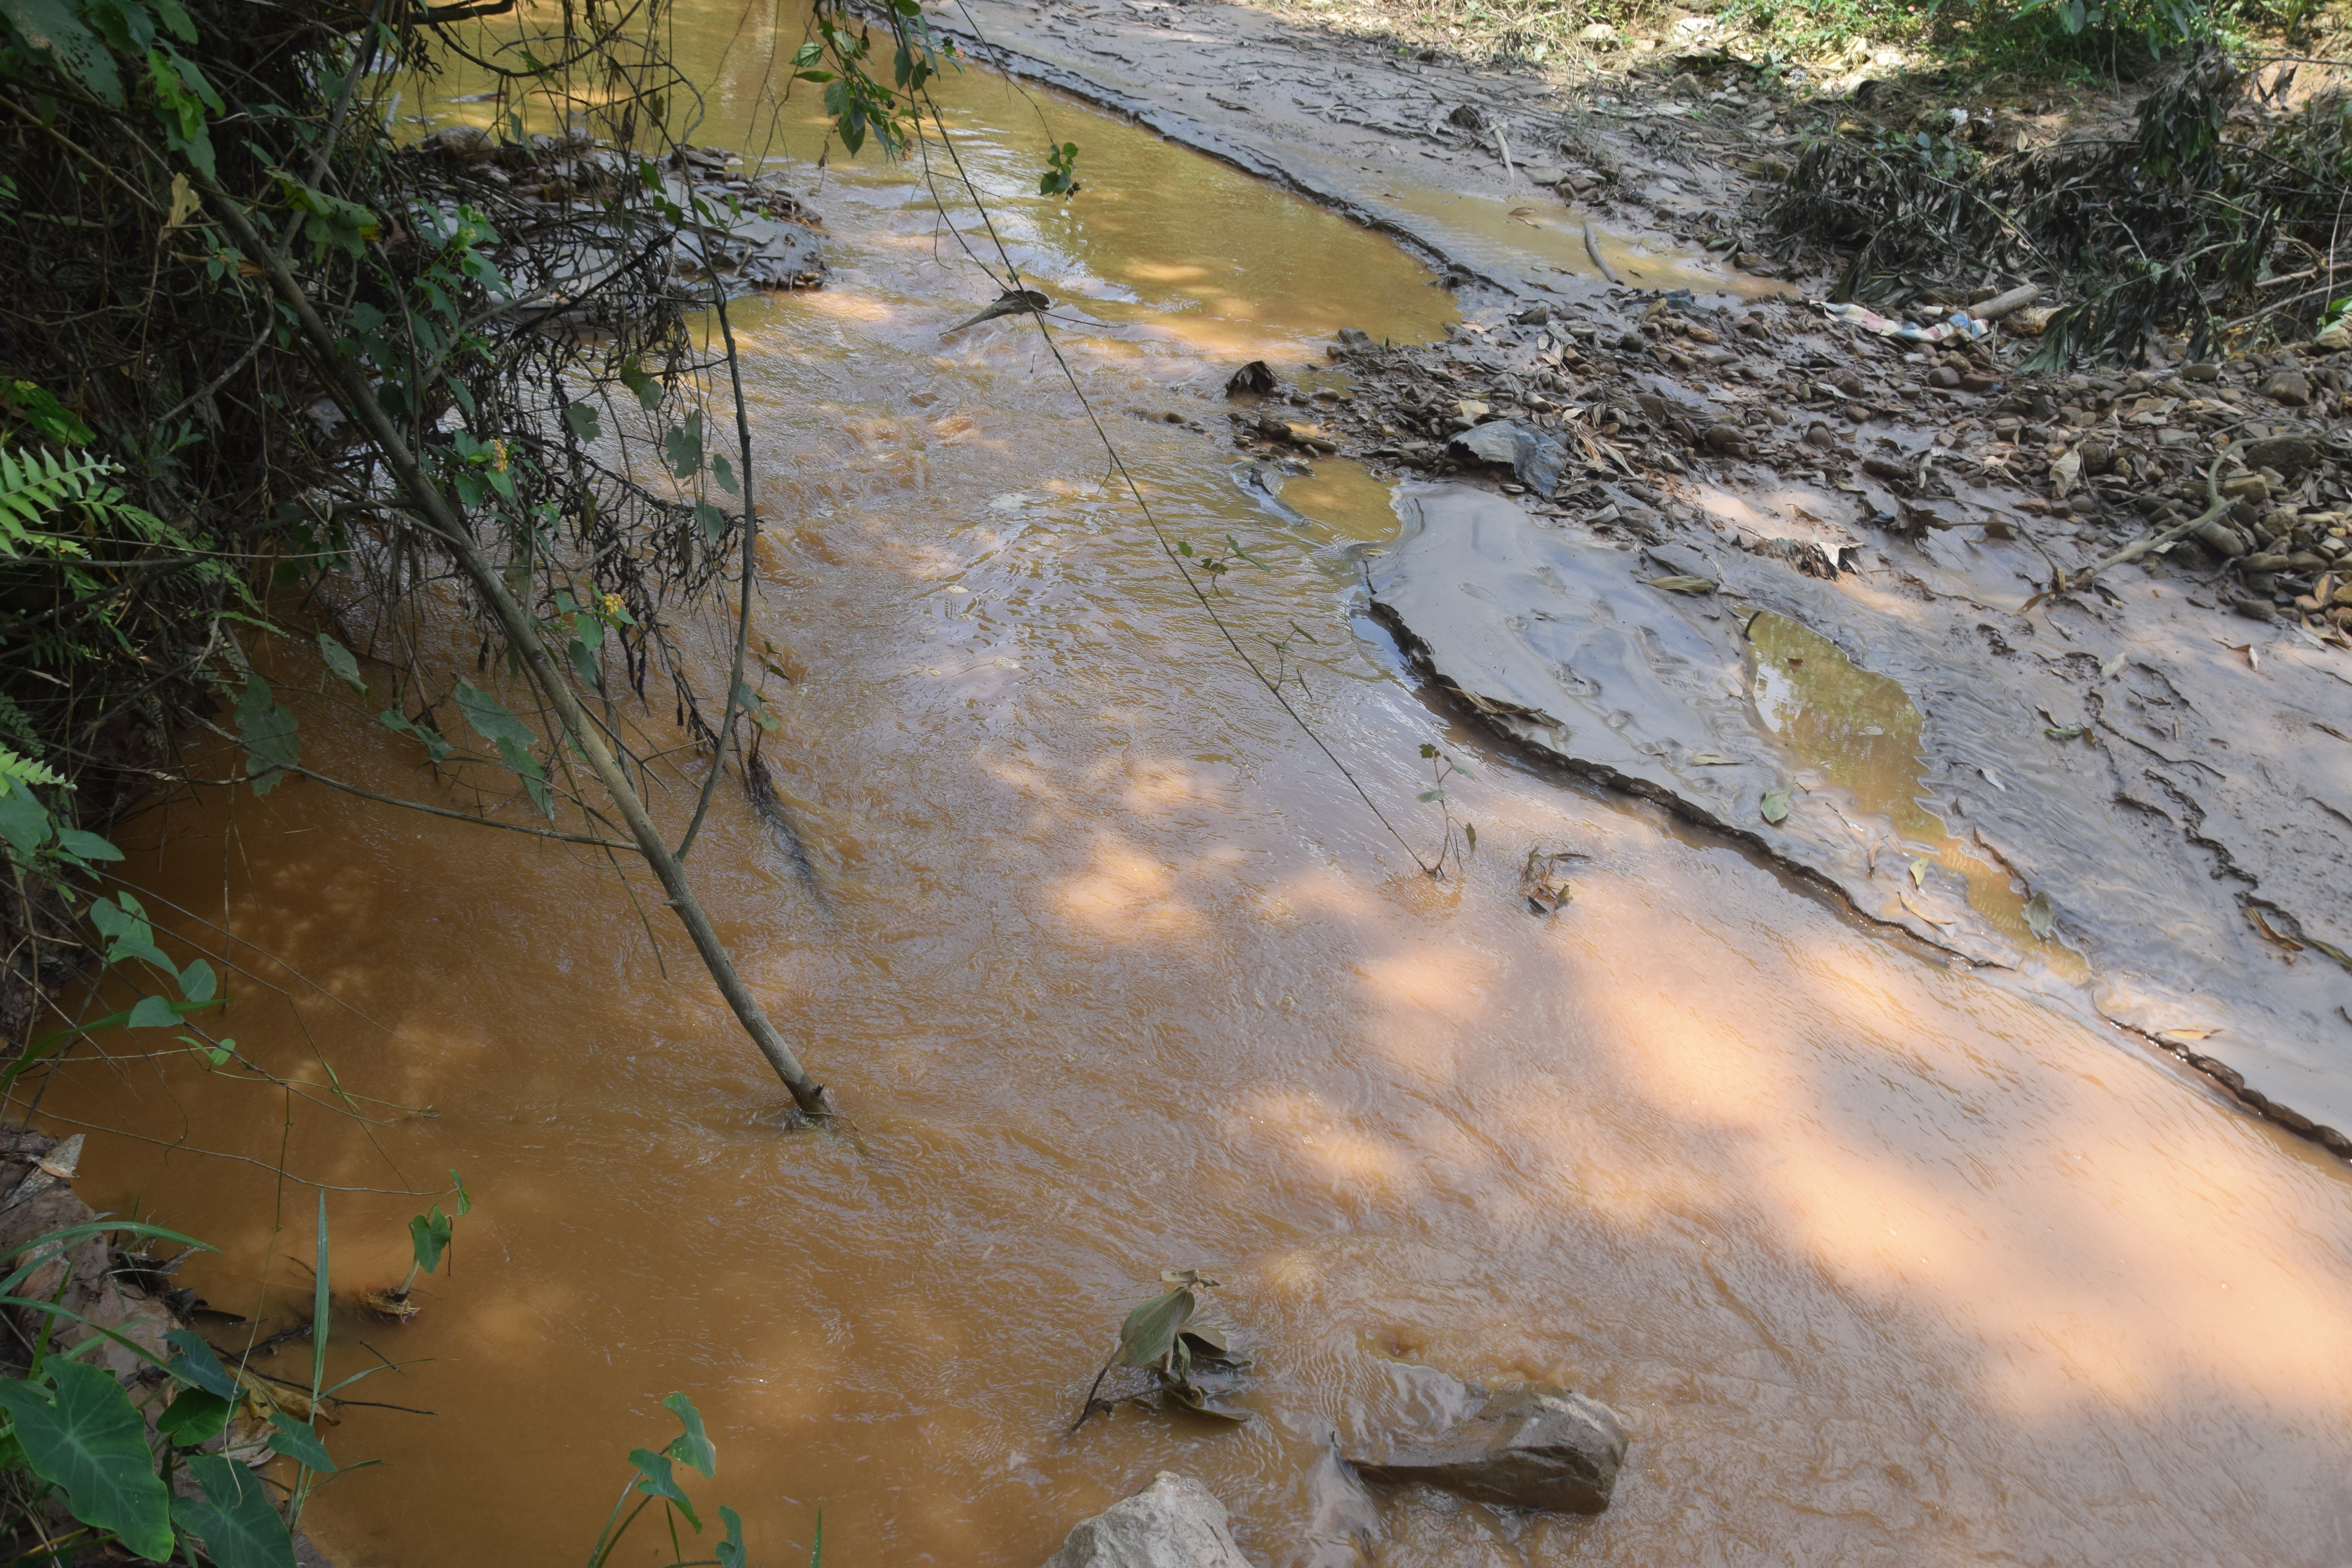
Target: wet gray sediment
x=2174, y=779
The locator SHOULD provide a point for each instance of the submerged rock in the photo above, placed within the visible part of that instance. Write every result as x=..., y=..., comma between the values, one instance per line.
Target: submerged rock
x=1175, y=1522
x=1524, y=1448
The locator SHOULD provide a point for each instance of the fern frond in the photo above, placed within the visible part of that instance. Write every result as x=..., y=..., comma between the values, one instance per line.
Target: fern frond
x=37, y=485
x=15, y=770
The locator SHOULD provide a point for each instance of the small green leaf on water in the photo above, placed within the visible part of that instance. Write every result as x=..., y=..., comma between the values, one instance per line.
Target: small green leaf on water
x=1425, y=796
x=235, y=1518
x=2040, y=918
x=1470, y=832
x=194, y=1417
x=692, y=1447
x=1919, y=870
x=2063, y=732
x=647, y=389
x=1182, y=548
x=152, y=1013
x=1682, y=584
x=299, y=1443
x=269, y=732
x=654, y=1479
x=1428, y=749
x=1775, y=806
x=197, y=982
x=217, y=1055
x=428, y=1236
x=1149, y=1330
x=197, y=1366
x=341, y=663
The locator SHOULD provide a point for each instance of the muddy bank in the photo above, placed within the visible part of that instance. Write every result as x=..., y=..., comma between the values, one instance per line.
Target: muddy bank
x=2138, y=785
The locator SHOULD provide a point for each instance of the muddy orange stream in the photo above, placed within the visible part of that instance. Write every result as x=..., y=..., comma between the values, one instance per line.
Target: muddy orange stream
x=1880, y=1262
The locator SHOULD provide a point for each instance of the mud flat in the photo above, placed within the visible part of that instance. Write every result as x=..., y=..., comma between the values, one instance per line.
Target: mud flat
x=2142, y=788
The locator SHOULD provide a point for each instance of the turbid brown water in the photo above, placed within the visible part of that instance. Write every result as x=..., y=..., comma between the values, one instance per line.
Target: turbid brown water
x=1881, y=1263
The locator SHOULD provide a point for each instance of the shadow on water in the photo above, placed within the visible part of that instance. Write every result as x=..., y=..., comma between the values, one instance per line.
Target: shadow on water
x=1881, y=1263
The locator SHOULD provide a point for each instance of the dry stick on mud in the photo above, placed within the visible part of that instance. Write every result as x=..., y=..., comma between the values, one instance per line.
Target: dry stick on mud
x=2068, y=581
x=360, y=403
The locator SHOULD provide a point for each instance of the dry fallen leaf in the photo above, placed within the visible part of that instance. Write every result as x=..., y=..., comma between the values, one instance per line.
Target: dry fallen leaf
x=1682, y=584
x=2272, y=932
x=391, y=1305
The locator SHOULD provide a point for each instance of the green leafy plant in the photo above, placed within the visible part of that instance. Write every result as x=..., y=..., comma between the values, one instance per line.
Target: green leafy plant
x=655, y=1480
x=1193, y=1364
x=1441, y=769
x=74, y=1436
x=429, y=1237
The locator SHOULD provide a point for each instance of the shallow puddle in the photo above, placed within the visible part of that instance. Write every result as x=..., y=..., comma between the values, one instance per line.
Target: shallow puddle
x=1861, y=730
x=1880, y=1262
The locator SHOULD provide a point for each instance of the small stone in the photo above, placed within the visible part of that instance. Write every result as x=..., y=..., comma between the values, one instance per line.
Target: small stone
x=2200, y=370
x=2290, y=455
x=1469, y=117
x=2252, y=488
x=1979, y=384
x=1528, y=1448
x=1823, y=436
x=2291, y=387
x=1597, y=33
x=1175, y=1522
x=1727, y=439
x=1944, y=376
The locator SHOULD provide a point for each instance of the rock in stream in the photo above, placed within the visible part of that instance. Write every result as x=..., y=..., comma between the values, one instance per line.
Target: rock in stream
x=1524, y=1447
x=1175, y=1522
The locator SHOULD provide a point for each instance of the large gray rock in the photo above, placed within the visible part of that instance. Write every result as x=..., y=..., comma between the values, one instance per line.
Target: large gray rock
x=1524, y=1448
x=1175, y=1522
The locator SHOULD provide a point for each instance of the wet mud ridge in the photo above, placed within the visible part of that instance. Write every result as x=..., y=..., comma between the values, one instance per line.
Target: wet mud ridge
x=1779, y=571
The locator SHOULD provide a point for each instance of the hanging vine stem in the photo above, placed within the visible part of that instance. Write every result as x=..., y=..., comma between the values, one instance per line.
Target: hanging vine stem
x=356, y=399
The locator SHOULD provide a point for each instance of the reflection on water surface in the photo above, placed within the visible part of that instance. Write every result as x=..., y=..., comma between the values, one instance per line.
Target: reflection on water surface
x=1880, y=1262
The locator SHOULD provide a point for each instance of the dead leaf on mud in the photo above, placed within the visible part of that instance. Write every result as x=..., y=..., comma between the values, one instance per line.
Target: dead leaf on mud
x=2185, y=1034
x=1709, y=760
x=1918, y=870
x=1543, y=880
x=1682, y=584
x=1525, y=215
x=2271, y=933
x=2040, y=918
x=2254, y=654
x=391, y=1305
x=1931, y=920
x=1775, y=806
